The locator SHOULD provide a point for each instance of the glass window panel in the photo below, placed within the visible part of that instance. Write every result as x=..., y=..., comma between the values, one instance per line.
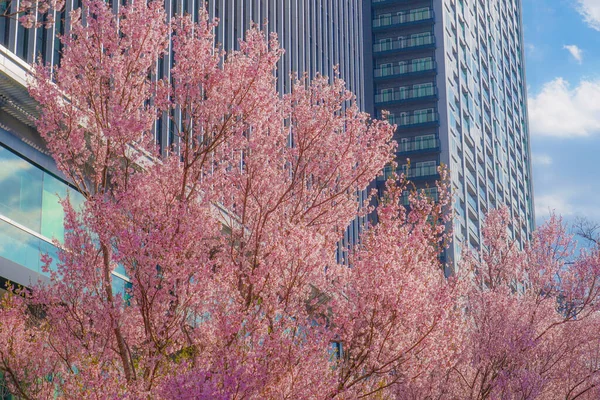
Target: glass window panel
x=403, y=93
x=424, y=142
x=20, y=190
x=404, y=118
x=122, y=287
x=4, y=23
x=405, y=144
x=402, y=67
x=19, y=247
x=121, y=269
x=25, y=249
x=386, y=69
x=52, y=211
x=52, y=251
x=30, y=197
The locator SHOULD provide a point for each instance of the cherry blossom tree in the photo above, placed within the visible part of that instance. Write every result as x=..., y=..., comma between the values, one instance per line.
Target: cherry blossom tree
x=228, y=235
x=399, y=328
x=531, y=317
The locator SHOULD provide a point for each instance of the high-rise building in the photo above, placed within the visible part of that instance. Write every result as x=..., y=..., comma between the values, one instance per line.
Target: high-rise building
x=316, y=34
x=451, y=75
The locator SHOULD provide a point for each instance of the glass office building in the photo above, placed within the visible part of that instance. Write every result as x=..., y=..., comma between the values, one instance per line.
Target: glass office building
x=316, y=34
x=451, y=75
x=449, y=72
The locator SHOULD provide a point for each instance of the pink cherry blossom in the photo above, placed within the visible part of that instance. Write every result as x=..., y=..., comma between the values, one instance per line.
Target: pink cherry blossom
x=228, y=236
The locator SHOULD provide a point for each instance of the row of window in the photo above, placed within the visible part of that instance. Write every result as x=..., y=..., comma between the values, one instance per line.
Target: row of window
x=402, y=42
x=405, y=92
x=404, y=67
x=418, y=143
x=402, y=17
x=430, y=192
x=422, y=116
x=423, y=169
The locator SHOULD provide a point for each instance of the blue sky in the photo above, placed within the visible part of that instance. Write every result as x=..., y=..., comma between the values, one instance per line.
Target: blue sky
x=562, y=48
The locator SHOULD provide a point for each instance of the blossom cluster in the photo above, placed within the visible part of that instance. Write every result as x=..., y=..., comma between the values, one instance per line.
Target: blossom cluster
x=228, y=236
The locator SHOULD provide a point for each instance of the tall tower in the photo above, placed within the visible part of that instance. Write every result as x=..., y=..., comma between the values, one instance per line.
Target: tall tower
x=316, y=34
x=451, y=74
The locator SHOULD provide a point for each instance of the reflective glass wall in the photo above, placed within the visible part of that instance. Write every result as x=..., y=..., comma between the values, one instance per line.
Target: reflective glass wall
x=31, y=215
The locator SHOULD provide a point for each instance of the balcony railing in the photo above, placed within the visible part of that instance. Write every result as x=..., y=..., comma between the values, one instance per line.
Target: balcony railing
x=404, y=43
x=416, y=172
x=421, y=171
x=402, y=94
x=432, y=194
x=414, y=119
x=418, y=145
x=404, y=69
x=400, y=18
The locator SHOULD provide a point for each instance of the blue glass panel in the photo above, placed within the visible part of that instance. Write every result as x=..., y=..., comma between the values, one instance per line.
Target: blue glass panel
x=52, y=211
x=19, y=246
x=52, y=251
x=121, y=270
x=24, y=248
x=122, y=287
x=20, y=190
x=30, y=196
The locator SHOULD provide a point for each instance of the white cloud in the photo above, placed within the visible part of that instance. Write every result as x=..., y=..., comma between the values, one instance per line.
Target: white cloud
x=575, y=51
x=561, y=111
x=590, y=9
x=541, y=159
x=546, y=204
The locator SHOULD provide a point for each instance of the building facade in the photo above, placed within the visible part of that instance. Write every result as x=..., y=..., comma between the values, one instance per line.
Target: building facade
x=316, y=34
x=451, y=75
x=449, y=72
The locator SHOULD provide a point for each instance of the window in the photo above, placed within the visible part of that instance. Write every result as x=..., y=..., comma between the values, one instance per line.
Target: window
x=386, y=69
x=424, y=142
x=30, y=196
x=420, y=39
x=404, y=118
x=30, y=212
x=421, y=13
x=431, y=193
x=383, y=44
x=405, y=144
x=387, y=95
x=404, y=169
x=425, y=168
x=384, y=19
x=402, y=67
x=21, y=190
x=387, y=172
x=424, y=115
x=423, y=89
x=422, y=64
x=403, y=93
